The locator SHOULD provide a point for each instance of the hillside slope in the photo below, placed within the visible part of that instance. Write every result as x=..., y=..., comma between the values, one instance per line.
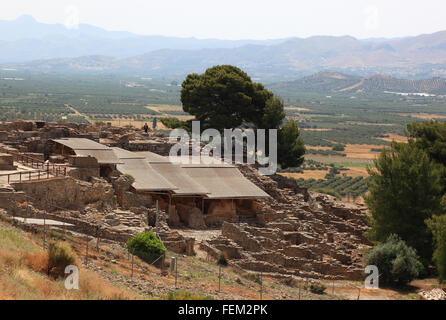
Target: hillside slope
x=416, y=57
x=329, y=82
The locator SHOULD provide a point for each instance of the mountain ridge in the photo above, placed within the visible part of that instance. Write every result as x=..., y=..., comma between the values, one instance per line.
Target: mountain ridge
x=417, y=57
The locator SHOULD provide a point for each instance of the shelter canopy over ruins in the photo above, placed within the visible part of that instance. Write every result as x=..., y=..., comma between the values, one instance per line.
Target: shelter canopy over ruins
x=214, y=181
x=86, y=147
x=155, y=173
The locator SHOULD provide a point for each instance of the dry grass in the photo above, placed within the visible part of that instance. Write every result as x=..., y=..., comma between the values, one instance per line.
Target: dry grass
x=37, y=261
x=361, y=151
x=316, y=129
x=162, y=108
x=296, y=108
x=354, y=151
x=24, y=270
x=356, y=172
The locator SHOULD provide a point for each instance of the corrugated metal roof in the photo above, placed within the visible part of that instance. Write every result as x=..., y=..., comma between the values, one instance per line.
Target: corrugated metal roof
x=176, y=175
x=81, y=144
x=224, y=183
x=146, y=178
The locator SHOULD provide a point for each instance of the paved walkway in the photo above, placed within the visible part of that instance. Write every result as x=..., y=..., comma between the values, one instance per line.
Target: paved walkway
x=25, y=174
x=40, y=222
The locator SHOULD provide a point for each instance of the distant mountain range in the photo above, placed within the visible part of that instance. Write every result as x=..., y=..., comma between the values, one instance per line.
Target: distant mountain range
x=53, y=48
x=25, y=39
x=331, y=82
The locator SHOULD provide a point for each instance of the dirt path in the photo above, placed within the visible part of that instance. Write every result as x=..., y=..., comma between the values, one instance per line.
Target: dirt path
x=360, y=83
x=77, y=113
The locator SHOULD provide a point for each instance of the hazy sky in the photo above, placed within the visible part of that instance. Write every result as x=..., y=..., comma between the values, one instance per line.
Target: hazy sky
x=242, y=19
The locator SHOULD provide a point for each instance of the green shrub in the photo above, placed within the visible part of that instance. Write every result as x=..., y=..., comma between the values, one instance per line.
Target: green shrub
x=317, y=288
x=60, y=255
x=397, y=263
x=146, y=246
x=438, y=227
x=338, y=147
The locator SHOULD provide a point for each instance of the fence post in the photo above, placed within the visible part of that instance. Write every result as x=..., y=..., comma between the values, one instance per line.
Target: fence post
x=44, y=229
x=261, y=286
x=219, y=278
x=176, y=272
x=172, y=264
x=97, y=242
x=300, y=285
x=132, y=264
x=86, y=250
x=156, y=217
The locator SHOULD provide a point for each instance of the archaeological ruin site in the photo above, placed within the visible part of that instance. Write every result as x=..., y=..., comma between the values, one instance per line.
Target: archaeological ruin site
x=116, y=182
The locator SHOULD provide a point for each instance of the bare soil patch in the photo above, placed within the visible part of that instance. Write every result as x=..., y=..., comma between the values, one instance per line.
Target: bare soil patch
x=308, y=174
x=391, y=137
x=316, y=129
x=296, y=108
x=361, y=151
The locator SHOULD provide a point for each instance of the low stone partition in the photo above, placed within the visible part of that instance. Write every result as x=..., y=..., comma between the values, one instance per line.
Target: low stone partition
x=6, y=162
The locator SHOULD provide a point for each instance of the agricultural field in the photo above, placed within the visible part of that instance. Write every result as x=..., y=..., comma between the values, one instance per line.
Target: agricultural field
x=84, y=98
x=342, y=129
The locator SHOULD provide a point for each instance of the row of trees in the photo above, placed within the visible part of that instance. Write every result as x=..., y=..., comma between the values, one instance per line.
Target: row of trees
x=225, y=97
x=408, y=193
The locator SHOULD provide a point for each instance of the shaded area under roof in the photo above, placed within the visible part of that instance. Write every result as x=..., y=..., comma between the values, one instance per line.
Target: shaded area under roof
x=224, y=183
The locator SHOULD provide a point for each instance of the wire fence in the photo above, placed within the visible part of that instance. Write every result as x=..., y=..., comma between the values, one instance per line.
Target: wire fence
x=138, y=268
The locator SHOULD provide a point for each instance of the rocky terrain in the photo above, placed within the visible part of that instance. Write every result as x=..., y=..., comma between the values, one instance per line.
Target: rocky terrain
x=293, y=233
x=298, y=233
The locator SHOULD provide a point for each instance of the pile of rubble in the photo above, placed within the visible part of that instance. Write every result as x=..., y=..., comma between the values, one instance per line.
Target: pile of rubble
x=296, y=233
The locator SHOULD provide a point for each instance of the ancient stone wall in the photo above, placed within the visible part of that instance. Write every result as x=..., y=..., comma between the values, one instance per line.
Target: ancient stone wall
x=67, y=192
